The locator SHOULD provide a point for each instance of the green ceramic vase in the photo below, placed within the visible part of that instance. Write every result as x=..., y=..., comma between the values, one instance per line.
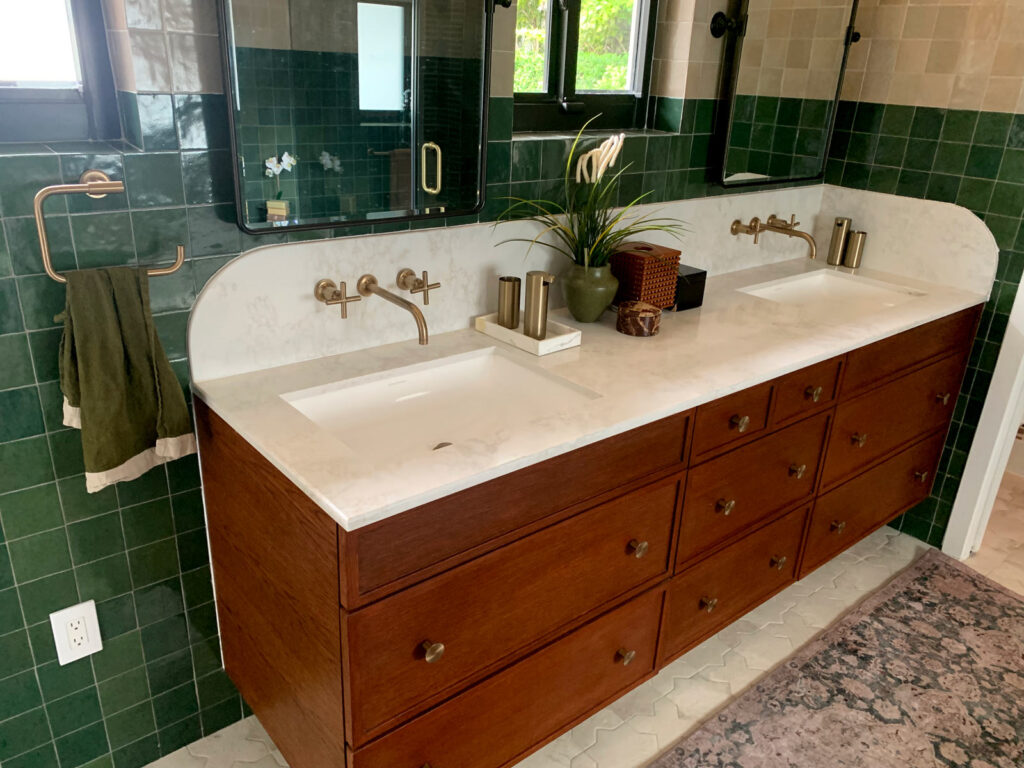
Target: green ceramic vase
x=588, y=291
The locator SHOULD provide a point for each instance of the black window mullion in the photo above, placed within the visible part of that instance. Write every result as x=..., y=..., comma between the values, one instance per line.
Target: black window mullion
x=569, y=44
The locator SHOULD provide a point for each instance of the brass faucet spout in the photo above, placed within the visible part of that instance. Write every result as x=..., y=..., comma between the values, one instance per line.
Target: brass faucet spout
x=775, y=224
x=368, y=286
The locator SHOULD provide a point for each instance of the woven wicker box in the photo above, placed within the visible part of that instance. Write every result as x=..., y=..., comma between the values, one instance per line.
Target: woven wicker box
x=647, y=273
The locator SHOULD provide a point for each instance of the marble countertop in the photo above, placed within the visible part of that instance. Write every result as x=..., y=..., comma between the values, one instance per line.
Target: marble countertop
x=734, y=341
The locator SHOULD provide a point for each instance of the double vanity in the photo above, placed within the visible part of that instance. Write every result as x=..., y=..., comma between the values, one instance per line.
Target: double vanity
x=448, y=555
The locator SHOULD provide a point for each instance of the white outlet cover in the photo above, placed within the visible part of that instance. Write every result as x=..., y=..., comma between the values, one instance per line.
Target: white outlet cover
x=76, y=632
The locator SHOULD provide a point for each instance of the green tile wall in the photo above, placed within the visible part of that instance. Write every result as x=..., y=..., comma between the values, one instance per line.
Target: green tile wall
x=974, y=159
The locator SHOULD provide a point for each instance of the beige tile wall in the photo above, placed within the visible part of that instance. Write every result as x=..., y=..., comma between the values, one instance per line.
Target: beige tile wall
x=687, y=59
x=943, y=53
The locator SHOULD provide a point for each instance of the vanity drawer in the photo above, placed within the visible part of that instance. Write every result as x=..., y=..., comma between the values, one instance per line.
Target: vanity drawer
x=844, y=516
x=411, y=546
x=728, y=495
x=730, y=419
x=886, y=358
x=510, y=714
x=488, y=609
x=870, y=426
x=719, y=589
x=807, y=390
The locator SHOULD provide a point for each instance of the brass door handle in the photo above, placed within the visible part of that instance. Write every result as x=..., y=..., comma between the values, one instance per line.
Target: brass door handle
x=838, y=526
x=943, y=397
x=432, y=652
x=708, y=604
x=858, y=439
x=724, y=507
x=637, y=548
x=739, y=423
x=921, y=476
x=797, y=470
x=813, y=393
x=625, y=656
x=778, y=562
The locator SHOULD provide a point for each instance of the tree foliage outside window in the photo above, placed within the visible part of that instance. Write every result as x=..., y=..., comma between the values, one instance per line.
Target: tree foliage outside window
x=605, y=36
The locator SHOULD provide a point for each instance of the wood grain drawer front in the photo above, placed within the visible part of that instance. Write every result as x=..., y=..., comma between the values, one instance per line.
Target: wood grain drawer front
x=510, y=714
x=731, y=419
x=806, y=390
x=717, y=590
x=486, y=610
x=844, y=516
x=729, y=494
x=886, y=358
x=425, y=537
x=879, y=422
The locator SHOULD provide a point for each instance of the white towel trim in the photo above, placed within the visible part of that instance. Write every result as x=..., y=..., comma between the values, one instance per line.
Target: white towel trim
x=166, y=449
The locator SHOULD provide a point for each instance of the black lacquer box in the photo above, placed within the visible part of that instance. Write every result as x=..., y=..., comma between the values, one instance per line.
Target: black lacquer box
x=689, y=288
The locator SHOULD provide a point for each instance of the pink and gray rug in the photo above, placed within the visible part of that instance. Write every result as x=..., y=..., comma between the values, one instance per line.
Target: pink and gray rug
x=928, y=671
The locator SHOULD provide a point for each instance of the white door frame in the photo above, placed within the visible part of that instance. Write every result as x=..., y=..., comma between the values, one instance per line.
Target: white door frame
x=1000, y=417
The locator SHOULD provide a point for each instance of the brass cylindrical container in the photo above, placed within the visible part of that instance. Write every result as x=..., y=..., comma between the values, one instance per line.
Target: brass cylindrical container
x=535, y=313
x=508, y=301
x=854, y=249
x=837, y=246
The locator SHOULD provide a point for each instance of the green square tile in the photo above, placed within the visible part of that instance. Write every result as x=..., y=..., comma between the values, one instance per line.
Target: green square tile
x=193, y=549
x=499, y=119
x=147, y=522
x=42, y=597
x=19, y=693
x=40, y=554
x=984, y=162
x=198, y=586
x=103, y=579
x=15, y=653
x=221, y=715
x=856, y=175
x=41, y=300
x=927, y=123
x=890, y=150
x=58, y=681
x=22, y=414
x=138, y=753
x=21, y=176
x=912, y=184
x=81, y=746
x=103, y=239
x=40, y=636
x=215, y=688
x=159, y=601
x=17, y=368
x=188, y=510
x=202, y=121
x=951, y=158
x=174, y=705
x=202, y=622
x=165, y=637
x=75, y=711
x=992, y=128
x=862, y=147
x=499, y=161
x=206, y=656
x=117, y=615
x=868, y=117
x=920, y=154
x=1016, y=137
x=1008, y=200
x=156, y=121
x=130, y=725
x=10, y=611
x=943, y=187
x=106, y=761
x=151, y=485
x=172, y=328
x=96, y=538
x=26, y=463
x=79, y=504
x=181, y=733
x=1012, y=168
x=10, y=314
x=66, y=449
x=213, y=230
x=45, y=347
x=52, y=401
x=72, y=166
x=6, y=574
x=119, y=654
x=123, y=691
x=30, y=511
x=171, y=671
x=896, y=120
x=22, y=733
x=156, y=234
x=23, y=240
x=959, y=125
x=153, y=179
x=40, y=757
x=208, y=177
x=975, y=194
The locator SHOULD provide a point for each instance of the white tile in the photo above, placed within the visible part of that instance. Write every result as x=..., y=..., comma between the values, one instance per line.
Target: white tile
x=764, y=650
x=229, y=746
x=699, y=696
x=735, y=673
x=623, y=748
x=180, y=758
x=664, y=723
x=584, y=735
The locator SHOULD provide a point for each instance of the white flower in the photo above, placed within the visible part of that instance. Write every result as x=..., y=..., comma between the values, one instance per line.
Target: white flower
x=288, y=161
x=274, y=166
x=336, y=164
x=269, y=173
x=590, y=166
x=326, y=160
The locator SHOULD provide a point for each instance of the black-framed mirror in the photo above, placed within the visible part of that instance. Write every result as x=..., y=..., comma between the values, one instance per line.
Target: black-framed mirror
x=785, y=65
x=348, y=112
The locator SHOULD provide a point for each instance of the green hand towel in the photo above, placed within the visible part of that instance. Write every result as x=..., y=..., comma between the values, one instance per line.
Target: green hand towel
x=118, y=386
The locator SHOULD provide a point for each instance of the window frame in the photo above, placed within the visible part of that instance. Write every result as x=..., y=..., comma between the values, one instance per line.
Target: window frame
x=561, y=108
x=69, y=114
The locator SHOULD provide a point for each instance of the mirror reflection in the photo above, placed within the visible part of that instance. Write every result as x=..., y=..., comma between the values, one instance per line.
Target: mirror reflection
x=356, y=111
x=787, y=70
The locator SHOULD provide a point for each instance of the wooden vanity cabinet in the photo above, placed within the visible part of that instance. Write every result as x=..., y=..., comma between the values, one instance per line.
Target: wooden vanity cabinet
x=471, y=630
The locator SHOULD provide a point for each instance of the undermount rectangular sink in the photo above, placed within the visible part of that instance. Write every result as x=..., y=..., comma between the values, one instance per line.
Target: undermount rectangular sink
x=409, y=412
x=835, y=290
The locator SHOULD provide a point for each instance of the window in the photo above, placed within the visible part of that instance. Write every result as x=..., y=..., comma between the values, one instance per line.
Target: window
x=381, y=36
x=55, y=77
x=576, y=59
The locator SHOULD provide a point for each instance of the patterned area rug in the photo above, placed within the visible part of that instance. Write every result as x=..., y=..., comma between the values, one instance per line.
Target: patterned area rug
x=928, y=671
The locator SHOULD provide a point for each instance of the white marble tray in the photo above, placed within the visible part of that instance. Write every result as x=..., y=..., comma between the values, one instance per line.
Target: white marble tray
x=559, y=336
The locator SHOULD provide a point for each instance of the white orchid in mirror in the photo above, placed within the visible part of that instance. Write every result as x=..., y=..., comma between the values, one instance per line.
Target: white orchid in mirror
x=590, y=166
x=330, y=162
x=275, y=166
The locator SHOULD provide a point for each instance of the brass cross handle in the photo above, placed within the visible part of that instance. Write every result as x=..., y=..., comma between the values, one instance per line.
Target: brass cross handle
x=739, y=423
x=858, y=439
x=778, y=562
x=942, y=397
x=708, y=604
x=813, y=393
x=797, y=471
x=625, y=655
x=637, y=548
x=838, y=526
x=775, y=221
x=921, y=476
x=724, y=507
x=330, y=294
x=407, y=281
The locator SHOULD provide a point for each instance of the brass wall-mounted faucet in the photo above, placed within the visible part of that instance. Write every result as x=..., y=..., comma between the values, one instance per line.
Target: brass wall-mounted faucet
x=775, y=224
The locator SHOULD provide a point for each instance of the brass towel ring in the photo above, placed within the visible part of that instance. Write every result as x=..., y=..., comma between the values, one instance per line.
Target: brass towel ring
x=94, y=184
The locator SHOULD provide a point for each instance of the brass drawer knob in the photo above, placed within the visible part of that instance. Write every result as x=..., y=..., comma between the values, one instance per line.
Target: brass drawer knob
x=943, y=397
x=432, y=652
x=797, y=470
x=838, y=526
x=708, y=604
x=858, y=439
x=813, y=393
x=724, y=507
x=778, y=562
x=638, y=548
x=625, y=656
x=739, y=423
x=921, y=476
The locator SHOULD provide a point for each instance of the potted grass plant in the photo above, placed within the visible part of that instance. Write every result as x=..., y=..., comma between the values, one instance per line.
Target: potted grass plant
x=588, y=227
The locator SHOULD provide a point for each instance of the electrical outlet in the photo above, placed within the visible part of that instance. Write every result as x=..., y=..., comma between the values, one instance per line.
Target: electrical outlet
x=76, y=632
